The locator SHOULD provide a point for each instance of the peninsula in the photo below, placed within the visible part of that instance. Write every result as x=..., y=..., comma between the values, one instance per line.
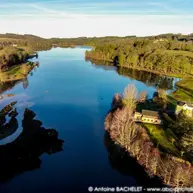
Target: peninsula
x=158, y=137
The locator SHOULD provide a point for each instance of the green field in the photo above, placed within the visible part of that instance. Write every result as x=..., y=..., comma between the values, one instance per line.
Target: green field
x=182, y=95
x=184, y=91
x=16, y=72
x=186, y=84
x=163, y=139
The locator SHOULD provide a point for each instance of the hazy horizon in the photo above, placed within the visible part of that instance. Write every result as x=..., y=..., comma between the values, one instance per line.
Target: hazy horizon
x=83, y=18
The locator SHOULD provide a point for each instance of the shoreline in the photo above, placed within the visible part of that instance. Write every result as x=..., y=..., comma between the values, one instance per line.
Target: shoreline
x=137, y=143
x=7, y=76
x=136, y=68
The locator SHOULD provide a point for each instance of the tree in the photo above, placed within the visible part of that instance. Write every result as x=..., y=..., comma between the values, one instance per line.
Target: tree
x=155, y=160
x=129, y=101
x=162, y=94
x=142, y=96
x=118, y=125
x=187, y=142
x=3, y=76
x=182, y=176
x=130, y=98
x=121, y=59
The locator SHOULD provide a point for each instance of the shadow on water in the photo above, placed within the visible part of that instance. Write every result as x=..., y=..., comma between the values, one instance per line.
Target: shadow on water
x=148, y=78
x=127, y=166
x=23, y=154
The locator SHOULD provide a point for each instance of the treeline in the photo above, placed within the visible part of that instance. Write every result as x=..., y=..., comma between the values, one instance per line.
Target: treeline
x=162, y=55
x=179, y=37
x=149, y=78
x=37, y=43
x=10, y=56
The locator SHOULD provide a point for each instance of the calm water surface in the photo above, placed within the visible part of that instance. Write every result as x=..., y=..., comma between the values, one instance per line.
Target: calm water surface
x=73, y=96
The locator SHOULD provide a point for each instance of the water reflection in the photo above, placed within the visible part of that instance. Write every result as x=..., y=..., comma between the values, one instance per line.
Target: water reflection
x=127, y=166
x=24, y=152
x=8, y=86
x=25, y=83
x=149, y=78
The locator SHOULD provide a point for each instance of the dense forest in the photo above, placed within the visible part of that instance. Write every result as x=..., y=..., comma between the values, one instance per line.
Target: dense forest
x=159, y=55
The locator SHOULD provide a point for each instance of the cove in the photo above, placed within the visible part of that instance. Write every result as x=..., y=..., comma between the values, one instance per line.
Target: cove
x=73, y=96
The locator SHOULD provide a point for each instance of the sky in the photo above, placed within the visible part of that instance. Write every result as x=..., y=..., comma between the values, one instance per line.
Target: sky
x=77, y=18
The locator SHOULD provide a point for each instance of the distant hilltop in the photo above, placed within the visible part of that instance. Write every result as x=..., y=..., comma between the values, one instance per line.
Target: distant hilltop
x=179, y=36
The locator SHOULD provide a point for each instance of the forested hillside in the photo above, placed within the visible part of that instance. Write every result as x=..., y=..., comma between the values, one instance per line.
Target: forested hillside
x=162, y=55
x=40, y=43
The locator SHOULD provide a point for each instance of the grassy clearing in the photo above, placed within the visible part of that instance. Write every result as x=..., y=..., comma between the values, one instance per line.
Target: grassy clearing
x=16, y=72
x=27, y=49
x=182, y=95
x=164, y=139
x=186, y=84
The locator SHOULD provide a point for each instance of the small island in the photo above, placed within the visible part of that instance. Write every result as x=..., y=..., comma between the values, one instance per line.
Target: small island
x=157, y=133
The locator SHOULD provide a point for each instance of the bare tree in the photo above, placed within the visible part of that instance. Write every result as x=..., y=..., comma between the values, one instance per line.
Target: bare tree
x=155, y=160
x=162, y=94
x=142, y=96
x=147, y=149
x=130, y=98
x=137, y=149
x=182, y=176
x=129, y=101
x=117, y=102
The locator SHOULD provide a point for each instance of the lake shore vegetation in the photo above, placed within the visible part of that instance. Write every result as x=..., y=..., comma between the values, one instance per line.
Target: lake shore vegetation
x=165, y=57
x=164, y=150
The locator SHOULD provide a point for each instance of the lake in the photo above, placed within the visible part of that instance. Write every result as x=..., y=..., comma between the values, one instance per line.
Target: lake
x=73, y=96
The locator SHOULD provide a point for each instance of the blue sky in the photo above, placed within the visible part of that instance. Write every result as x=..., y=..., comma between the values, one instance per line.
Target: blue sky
x=75, y=18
